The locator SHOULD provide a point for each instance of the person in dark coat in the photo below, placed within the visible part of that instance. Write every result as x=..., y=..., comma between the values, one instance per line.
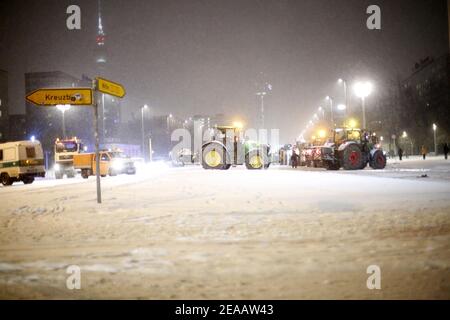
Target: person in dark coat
x=446, y=149
x=424, y=152
x=294, y=159
x=400, y=153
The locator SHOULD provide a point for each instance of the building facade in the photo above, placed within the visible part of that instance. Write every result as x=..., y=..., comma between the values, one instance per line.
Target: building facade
x=4, y=105
x=426, y=91
x=17, y=127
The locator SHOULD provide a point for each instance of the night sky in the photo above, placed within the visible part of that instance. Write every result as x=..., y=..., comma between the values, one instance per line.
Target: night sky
x=203, y=57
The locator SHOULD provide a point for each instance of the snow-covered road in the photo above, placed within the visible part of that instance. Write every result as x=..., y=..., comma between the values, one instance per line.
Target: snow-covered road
x=190, y=233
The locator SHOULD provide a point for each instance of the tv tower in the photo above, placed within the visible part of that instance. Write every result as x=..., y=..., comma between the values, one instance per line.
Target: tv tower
x=100, y=50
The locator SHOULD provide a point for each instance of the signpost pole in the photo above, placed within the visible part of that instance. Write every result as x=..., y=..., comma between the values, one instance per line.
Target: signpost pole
x=97, y=152
x=150, y=149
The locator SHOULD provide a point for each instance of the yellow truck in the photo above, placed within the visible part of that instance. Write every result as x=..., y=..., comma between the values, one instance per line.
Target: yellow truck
x=111, y=163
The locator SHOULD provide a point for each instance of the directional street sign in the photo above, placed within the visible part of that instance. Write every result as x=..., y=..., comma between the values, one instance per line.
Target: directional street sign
x=109, y=87
x=80, y=97
x=53, y=97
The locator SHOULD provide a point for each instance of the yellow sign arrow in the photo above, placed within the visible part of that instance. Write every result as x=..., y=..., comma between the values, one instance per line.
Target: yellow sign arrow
x=53, y=97
x=109, y=87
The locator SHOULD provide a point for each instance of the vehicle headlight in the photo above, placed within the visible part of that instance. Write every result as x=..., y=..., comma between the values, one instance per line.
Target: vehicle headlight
x=56, y=167
x=117, y=165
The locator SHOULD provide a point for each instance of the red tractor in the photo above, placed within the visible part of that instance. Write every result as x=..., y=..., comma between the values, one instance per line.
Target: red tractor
x=351, y=149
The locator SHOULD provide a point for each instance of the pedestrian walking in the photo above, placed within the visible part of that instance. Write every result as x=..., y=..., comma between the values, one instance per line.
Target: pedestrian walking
x=294, y=159
x=446, y=149
x=424, y=152
x=400, y=153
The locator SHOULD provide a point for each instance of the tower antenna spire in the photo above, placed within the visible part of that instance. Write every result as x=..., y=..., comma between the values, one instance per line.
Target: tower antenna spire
x=100, y=26
x=100, y=32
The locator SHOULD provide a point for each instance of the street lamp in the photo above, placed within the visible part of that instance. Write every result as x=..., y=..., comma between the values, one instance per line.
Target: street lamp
x=344, y=82
x=169, y=121
x=262, y=94
x=434, y=135
x=328, y=98
x=145, y=107
x=342, y=107
x=363, y=90
x=405, y=140
x=63, y=108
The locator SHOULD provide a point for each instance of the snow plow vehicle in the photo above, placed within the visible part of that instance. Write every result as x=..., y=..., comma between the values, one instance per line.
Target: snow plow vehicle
x=228, y=148
x=348, y=148
x=111, y=163
x=64, y=152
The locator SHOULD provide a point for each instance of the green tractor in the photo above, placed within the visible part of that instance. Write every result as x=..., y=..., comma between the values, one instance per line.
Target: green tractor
x=227, y=148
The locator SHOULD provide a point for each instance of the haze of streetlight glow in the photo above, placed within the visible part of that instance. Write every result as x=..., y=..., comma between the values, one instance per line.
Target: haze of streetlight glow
x=322, y=134
x=352, y=123
x=63, y=107
x=434, y=126
x=238, y=124
x=363, y=89
x=342, y=107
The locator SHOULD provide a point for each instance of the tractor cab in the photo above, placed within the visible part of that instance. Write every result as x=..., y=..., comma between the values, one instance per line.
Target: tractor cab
x=220, y=133
x=343, y=135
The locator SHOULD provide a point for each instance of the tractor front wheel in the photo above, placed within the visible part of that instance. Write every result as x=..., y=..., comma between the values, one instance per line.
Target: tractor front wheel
x=378, y=161
x=352, y=158
x=255, y=160
x=214, y=156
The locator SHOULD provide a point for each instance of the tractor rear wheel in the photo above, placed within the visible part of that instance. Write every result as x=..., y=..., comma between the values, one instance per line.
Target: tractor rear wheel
x=214, y=156
x=378, y=161
x=352, y=158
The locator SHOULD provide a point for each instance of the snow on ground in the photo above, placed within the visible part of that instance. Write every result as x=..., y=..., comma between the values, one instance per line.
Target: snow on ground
x=187, y=233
